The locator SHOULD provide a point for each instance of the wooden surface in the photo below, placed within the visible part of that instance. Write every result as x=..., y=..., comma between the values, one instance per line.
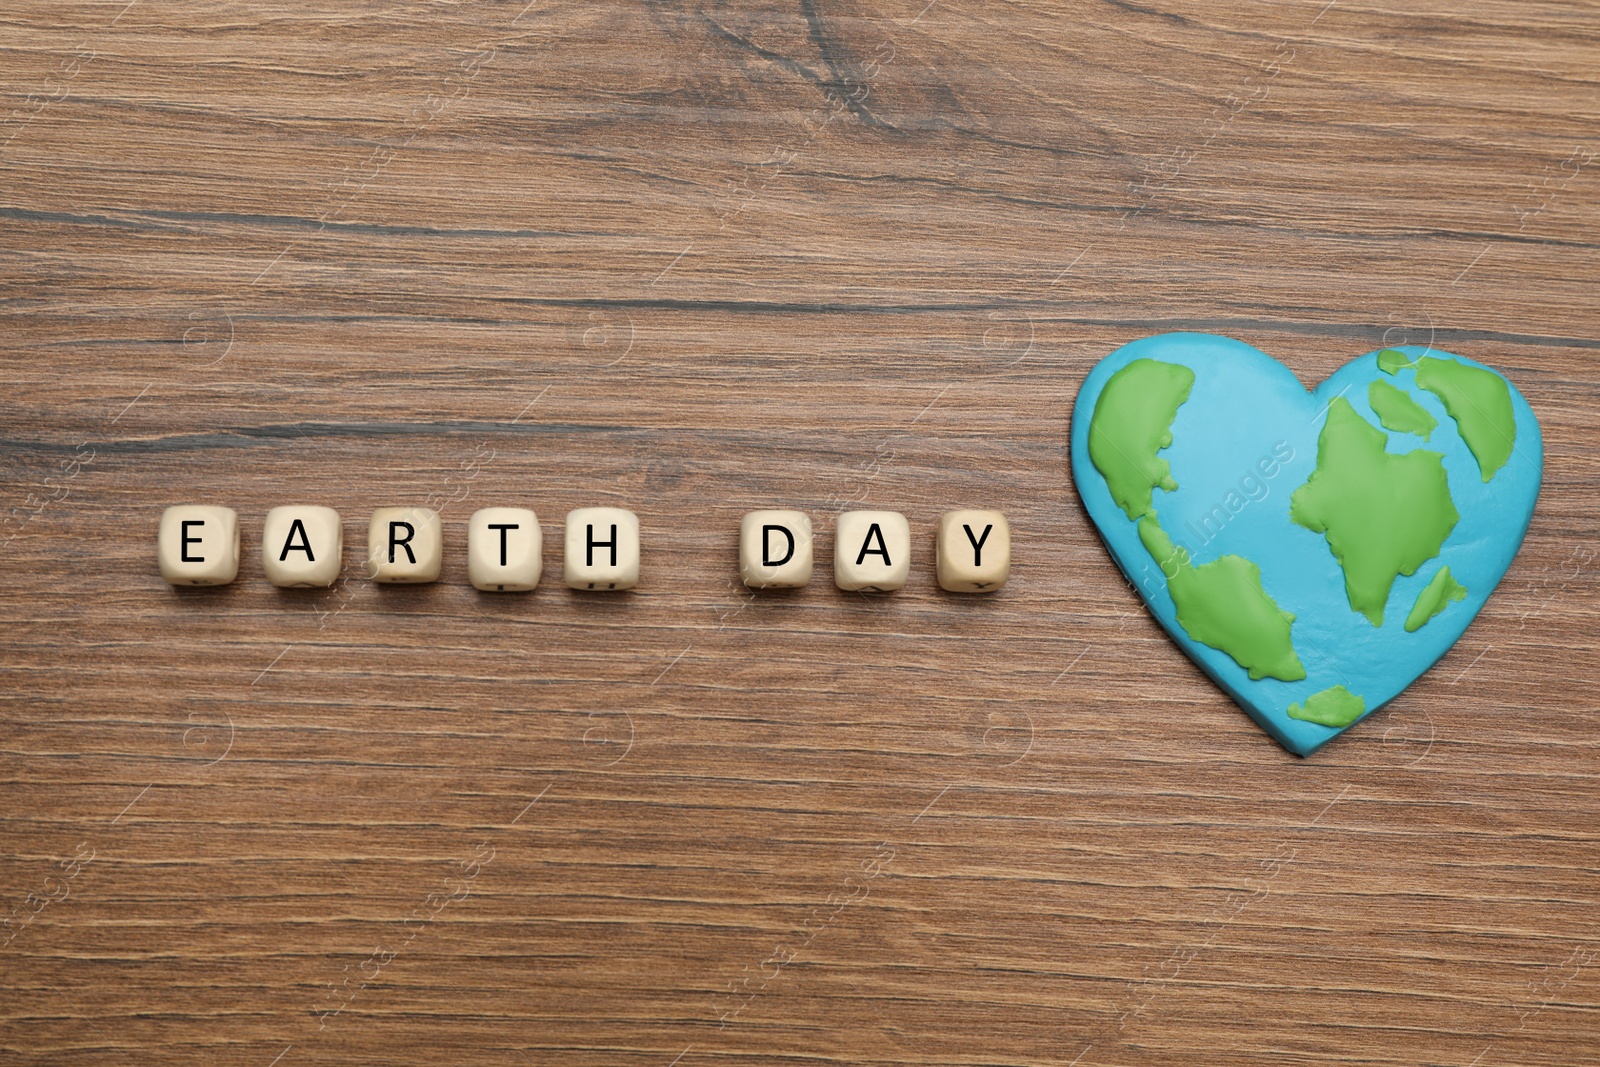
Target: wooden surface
x=692, y=260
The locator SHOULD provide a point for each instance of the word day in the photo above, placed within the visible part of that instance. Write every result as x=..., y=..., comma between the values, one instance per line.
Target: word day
x=303, y=547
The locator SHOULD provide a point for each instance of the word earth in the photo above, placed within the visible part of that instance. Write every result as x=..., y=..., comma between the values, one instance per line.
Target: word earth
x=303, y=547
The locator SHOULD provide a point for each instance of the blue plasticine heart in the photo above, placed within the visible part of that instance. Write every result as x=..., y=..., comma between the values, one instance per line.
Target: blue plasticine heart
x=1194, y=455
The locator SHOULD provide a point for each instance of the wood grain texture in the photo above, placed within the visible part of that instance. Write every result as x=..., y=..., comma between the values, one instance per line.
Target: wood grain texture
x=698, y=258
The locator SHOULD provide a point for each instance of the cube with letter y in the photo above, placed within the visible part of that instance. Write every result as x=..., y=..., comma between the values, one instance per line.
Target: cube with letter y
x=974, y=551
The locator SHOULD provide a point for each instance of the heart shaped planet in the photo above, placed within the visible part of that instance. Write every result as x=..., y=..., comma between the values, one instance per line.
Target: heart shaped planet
x=1312, y=552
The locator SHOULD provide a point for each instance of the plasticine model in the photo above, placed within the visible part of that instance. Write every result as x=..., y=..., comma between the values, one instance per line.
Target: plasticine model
x=1313, y=552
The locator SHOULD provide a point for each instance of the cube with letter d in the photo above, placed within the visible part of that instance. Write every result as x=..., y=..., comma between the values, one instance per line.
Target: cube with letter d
x=775, y=549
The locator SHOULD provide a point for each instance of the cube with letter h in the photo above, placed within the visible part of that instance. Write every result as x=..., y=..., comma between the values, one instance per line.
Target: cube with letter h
x=602, y=549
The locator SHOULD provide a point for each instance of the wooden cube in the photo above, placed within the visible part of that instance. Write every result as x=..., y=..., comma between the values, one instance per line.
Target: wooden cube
x=198, y=544
x=505, y=550
x=302, y=547
x=871, y=551
x=775, y=549
x=602, y=549
x=404, y=545
x=974, y=551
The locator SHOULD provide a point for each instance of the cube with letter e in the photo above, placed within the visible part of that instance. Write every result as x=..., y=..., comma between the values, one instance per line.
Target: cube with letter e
x=198, y=545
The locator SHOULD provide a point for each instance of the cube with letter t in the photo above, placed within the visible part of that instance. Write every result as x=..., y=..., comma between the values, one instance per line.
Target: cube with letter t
x=505, y=550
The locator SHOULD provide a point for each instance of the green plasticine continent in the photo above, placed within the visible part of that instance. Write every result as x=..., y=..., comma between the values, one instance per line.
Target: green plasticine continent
x=1480, y=402
x=1392, y=361
x=1336, y=707
x=1132, y=422
x=1222, y=604
x=1383, y=515
x=1398, y=412
x=1439, y=594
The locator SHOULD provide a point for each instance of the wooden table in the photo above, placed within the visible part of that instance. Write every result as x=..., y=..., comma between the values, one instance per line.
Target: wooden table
x=699, y=259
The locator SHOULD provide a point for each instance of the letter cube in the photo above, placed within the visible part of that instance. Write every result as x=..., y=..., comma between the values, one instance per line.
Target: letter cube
x=505, y=550
x=404, y=545
x=602, y=549
x=198, y=545
x=871, y=551
x=775, y=549
x=974, y=551
x=302, y=547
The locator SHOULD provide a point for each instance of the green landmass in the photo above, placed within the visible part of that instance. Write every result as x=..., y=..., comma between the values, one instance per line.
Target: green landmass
x=1337, y=707
x=1479, y=400
x=1132, y=422
x=1439, y=594
x=1392, y=360
x=1223, y=605
x=1398, y=412
x=1383, y=515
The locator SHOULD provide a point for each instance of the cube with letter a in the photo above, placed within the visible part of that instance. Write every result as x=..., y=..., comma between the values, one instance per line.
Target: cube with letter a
x=871, y=551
